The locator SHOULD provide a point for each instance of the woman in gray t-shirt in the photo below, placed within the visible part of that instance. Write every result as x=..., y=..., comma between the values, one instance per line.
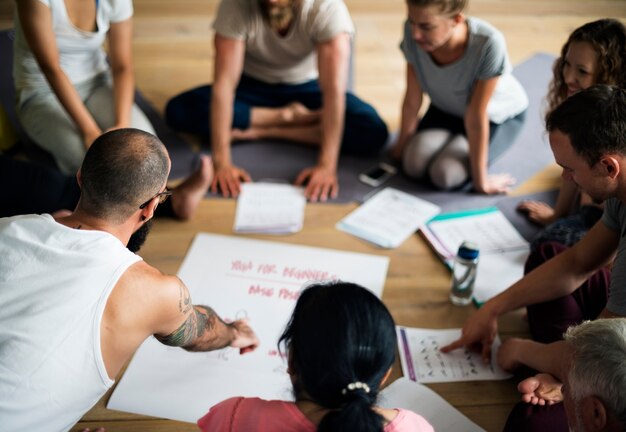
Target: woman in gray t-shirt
x=477, y=107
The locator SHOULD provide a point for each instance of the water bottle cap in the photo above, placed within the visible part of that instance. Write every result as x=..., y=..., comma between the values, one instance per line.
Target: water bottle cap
x=468, y=250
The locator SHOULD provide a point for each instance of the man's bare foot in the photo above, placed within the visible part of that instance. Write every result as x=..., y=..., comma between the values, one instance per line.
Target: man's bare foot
x=187, y=196
x=542, y=389
x=297, y=114
x=250, y=134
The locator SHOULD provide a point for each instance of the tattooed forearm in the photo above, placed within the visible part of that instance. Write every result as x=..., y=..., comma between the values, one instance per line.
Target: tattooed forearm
x=184, y=334
x=203, y=330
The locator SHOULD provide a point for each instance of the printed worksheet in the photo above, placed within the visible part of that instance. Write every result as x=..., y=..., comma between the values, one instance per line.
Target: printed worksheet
x=503, y=251
x=423, y=361
x=269, y=208
x=238, y=278
x=388, y=218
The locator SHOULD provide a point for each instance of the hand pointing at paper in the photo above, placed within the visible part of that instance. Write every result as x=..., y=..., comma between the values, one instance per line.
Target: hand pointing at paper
x=478, y=333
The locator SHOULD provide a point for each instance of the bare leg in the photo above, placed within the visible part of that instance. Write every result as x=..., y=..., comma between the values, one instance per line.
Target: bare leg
x=187, y=195
x=311, y=135
x=294, y=114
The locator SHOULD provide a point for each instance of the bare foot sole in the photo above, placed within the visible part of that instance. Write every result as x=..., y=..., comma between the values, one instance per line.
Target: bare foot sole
x=187, y=196
x=542, y=389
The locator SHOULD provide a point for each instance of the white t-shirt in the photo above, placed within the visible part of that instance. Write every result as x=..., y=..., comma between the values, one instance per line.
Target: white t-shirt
x=289, y=59
x=450, y=86
x=80, y=52
x=54, y=285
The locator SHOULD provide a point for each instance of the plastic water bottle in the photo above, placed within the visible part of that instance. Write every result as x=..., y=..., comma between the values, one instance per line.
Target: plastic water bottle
x=464, y=274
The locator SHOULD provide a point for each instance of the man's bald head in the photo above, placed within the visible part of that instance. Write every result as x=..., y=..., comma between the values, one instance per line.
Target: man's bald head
x=121, y=170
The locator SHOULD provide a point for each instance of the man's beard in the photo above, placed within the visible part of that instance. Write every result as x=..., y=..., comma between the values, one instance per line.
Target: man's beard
x=279, y=17
x=139, y=237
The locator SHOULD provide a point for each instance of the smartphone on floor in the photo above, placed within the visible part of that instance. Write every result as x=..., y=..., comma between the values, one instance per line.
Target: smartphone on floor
x=377, y=175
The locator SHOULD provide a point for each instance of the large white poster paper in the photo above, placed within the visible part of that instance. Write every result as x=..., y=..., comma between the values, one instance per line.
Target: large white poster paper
x=238, y=277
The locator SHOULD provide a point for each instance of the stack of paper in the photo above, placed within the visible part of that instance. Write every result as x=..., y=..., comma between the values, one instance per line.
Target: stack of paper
x=503, y=250
x=388, y=218
x=269, y=208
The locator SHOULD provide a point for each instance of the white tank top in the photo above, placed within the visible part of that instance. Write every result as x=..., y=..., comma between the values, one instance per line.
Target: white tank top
x=81, y=55
x=54, y=285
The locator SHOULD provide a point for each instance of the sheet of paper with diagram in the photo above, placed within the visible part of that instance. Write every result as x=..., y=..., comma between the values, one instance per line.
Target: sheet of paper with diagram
x=239, y=278
x=422, y=359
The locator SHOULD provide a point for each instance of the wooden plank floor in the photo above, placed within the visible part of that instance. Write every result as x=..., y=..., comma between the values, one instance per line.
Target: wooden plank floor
x=173, y=51
x=416, y=292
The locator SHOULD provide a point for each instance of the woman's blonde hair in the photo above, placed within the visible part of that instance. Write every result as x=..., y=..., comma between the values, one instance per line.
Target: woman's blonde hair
x=451, y=7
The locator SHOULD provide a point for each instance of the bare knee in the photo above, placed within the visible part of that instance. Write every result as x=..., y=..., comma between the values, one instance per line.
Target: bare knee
x=448, y=172
x=421, y=149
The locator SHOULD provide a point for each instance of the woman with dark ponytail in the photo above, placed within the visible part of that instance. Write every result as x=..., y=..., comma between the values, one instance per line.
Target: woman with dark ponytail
x=340, y=342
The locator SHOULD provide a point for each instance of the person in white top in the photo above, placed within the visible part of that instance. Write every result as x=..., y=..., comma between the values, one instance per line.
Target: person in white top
x=67, y=94
x=75, y=304
x=281, y=69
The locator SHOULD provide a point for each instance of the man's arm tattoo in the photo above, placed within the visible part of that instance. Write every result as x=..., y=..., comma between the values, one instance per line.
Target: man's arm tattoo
x=184, y=301
x=199, y=332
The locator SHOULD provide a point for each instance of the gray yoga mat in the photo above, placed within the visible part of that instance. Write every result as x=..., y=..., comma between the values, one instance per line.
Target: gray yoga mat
x=529, y=154
x=282, y=161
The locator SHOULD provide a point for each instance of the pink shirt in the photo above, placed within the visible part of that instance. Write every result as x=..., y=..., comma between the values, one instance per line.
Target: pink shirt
x=258, y=415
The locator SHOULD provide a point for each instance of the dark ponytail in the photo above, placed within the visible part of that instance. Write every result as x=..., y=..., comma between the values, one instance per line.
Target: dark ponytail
x=341, y=342
x=356, y=415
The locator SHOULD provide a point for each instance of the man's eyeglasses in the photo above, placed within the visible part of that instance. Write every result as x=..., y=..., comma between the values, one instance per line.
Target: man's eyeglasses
x=161, y=195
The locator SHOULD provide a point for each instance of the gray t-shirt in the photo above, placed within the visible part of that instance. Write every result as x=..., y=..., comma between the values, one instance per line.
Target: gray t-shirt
x=289, y=59
x=450, y=86
x=614, y=218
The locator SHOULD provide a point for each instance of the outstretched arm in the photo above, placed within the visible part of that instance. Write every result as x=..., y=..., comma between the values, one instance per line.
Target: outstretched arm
x=556, y=278
x=477, y=129
x=146, y=302
x=413, y=99
x=333, y=70
x=121, y=57
x=547, y=358
x=229, y=56
x=203, y=330
x=36, y=21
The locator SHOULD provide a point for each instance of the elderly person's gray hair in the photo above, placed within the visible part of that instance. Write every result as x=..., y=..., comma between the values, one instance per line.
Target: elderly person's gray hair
x=598, y=363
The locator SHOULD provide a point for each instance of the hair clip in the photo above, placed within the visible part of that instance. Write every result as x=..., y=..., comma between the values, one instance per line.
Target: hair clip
x=357, y=385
